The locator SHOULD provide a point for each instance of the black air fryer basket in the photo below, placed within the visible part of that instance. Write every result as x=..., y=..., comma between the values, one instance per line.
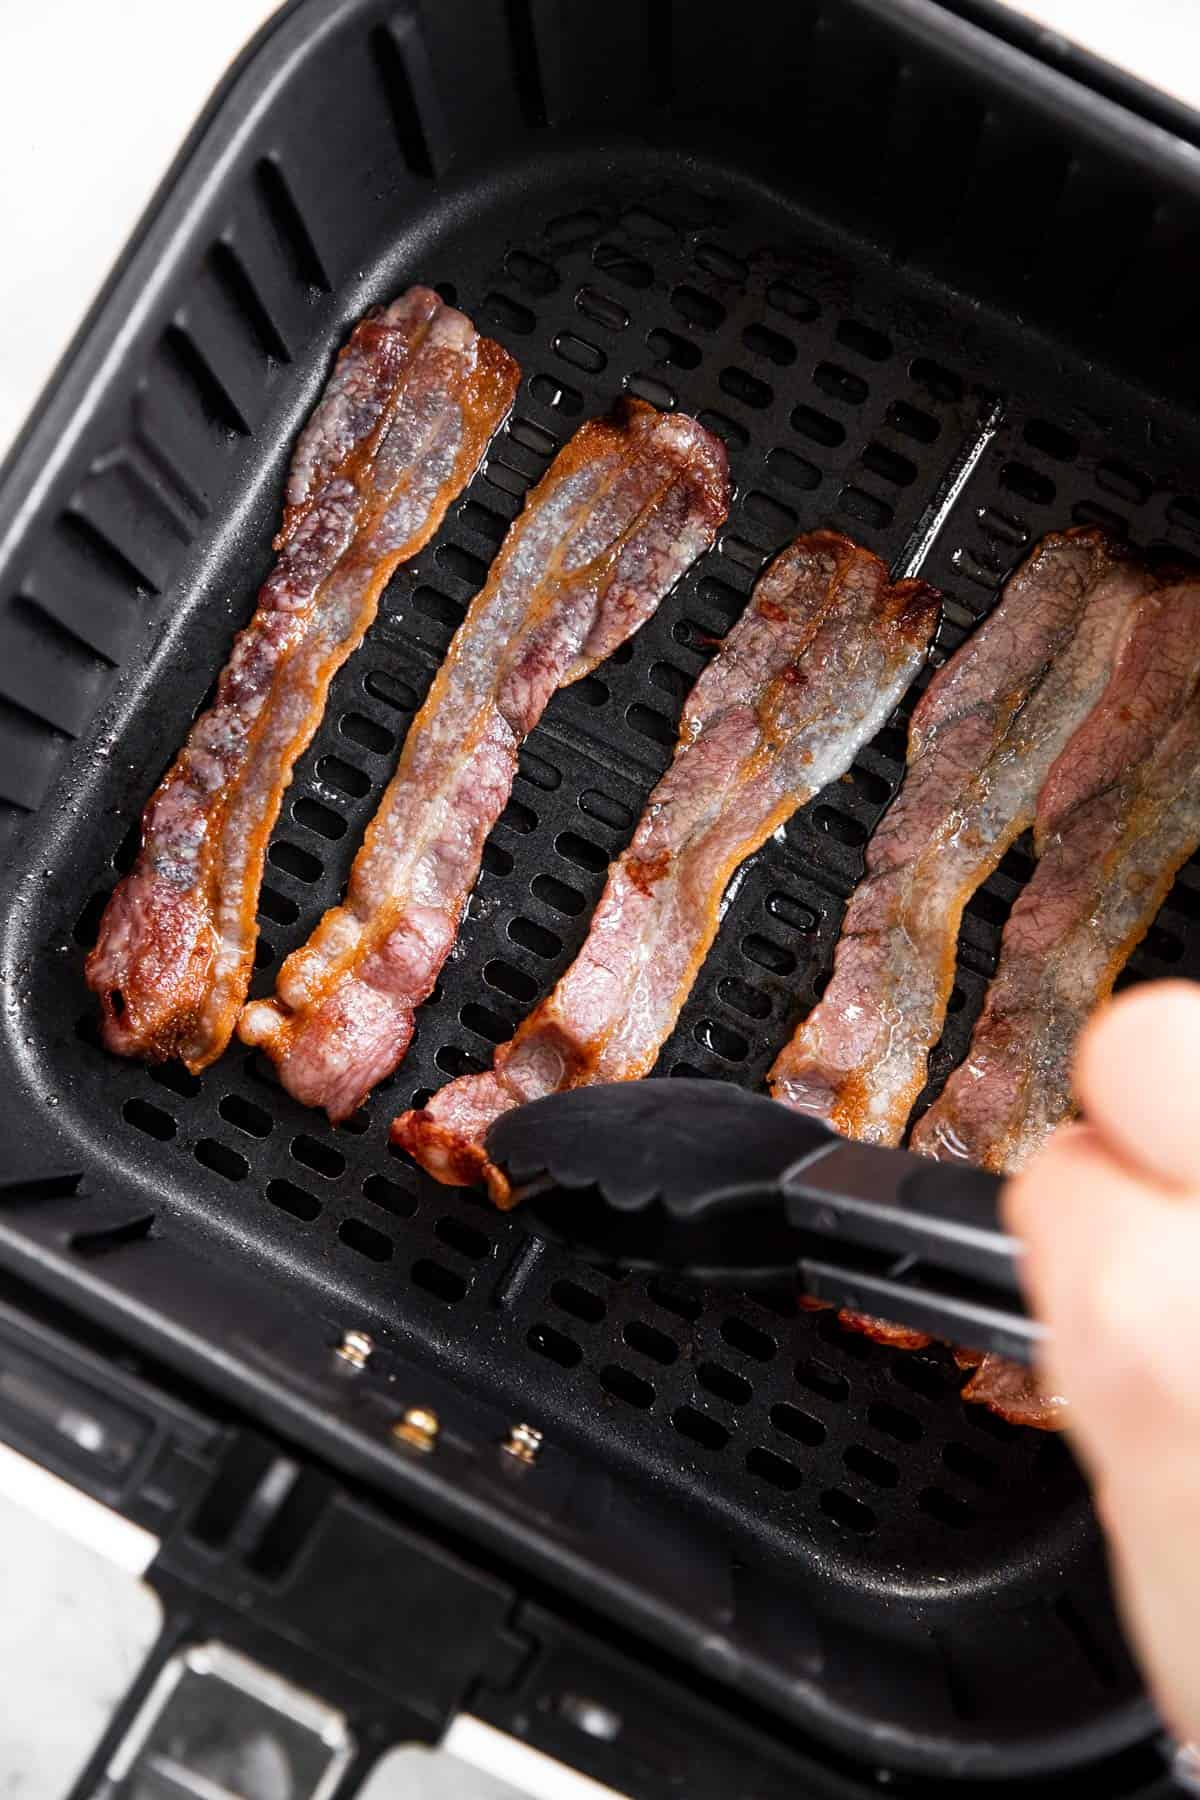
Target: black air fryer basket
x=923, y=284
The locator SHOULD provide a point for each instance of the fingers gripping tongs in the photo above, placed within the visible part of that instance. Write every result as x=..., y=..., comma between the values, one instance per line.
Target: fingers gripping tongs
x=712, y=1182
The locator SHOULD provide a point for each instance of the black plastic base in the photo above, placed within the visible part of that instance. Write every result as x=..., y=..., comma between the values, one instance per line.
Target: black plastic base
x=816, y=1522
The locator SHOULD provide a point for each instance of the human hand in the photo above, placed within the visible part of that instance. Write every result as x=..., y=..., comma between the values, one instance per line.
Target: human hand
x=1110, y=1214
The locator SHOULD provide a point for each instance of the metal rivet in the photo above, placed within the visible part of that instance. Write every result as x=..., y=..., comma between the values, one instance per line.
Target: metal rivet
x=356, y=1348
x=418, y=1428
x=524, y=1442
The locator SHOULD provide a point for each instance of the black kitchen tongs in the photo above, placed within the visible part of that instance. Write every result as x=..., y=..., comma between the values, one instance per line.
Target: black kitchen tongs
x=724, y=1186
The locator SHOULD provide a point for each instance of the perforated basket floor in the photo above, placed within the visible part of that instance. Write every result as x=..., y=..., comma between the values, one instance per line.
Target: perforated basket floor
x=848, y=393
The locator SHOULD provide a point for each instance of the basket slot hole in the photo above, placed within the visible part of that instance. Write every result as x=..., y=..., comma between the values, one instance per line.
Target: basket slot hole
x=911, y=422
x=390, y=689
x=697, y=308
x=651, y=724
x=558, y=396
x=321, y=819
x=483, y=521
x=724, y=1042
x=840, y=827
x=889, y=465
x=860, y=1460
x=648, y=1342
x=725, y=1383
x=768, y=955
x=558, y=896
x=255, y=1121
x=454, y=1061
x=580, y=352
x=363, y=1238
x=509, y=980
x=534, y=937
x=651, y=389
x=669, y=347
x=868, y=509
x=519, y=818
x=962, y=1460
x=689, y=1422
x=946, y=1508
x=366, y=733
x=632, y=271
x=776, y=1470
x=436, y=1279
x=531, y=273
x=863, y=340
x=941, y=383
x=820, y=1379
x=323, y=1159
x=605, y=809
x=536, y=770
x=894, y=1422
x=760, y=340
x=731, y=434
x=580, y=1302
x=776, y=520
x=343, y=776
x=818, y=426
x=143, y=1115
x=581, y=851
x=555, y=1345
x=748, y=1340
x=840, y=384
x=623, y=1384
x=221, y=1159
x=570, y=229
x=739, y=384
x=1051, y=440
x=1025, y=482
x=432, y=604
x=670, y=681
x=922, y=1376
x=294, y=1200
x=674, y=1297
x=793, y=1422
x=793, y=471
x=461, y=565
x=87, y=924
x=484, y=1023
x=390, y=1196
x=723, y=263
x=787, y=298
x=846, y=1510
x=505, y=314
x=177, y=1079
x=743, y=998
x=496, y=860
x=466, y=1239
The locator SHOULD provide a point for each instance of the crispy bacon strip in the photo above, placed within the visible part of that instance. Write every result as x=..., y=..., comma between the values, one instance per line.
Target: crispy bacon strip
x=1116, y=820
x=982, y=740
x=413, y=402
x=619, y=515
x=810, y=672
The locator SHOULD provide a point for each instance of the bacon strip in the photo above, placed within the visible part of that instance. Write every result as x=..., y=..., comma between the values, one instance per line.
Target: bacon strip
x=619, y=515
x=982, y=740
x=413, y=402
x=1118, y=817
x=811, y=671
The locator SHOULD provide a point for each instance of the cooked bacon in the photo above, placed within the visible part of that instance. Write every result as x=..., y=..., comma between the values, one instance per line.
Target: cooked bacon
x=811, y=671
x=619, y=515
x=982, y=740
x=413, y=402
x=1117, y=818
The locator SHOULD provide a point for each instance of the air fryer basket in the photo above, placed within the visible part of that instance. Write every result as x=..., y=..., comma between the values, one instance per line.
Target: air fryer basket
x=876, y=252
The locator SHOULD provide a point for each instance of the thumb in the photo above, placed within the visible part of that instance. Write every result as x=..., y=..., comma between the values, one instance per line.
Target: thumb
x=1136, y=1076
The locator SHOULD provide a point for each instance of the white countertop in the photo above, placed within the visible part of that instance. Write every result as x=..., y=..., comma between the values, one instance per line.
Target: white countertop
x=85, y=137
